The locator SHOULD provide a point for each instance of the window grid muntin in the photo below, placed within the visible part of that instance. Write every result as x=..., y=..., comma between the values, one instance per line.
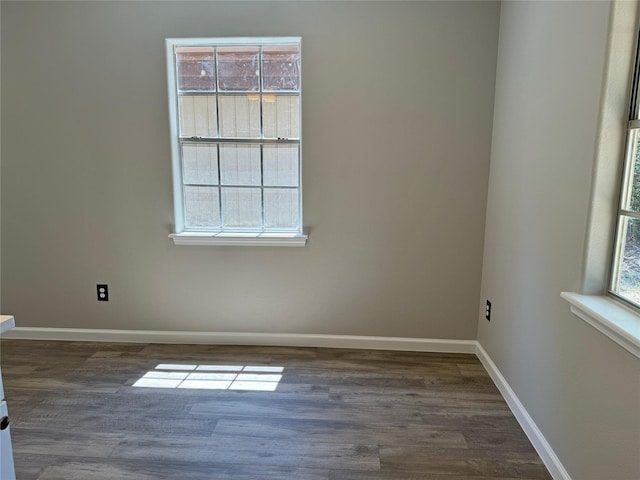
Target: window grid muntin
x=261, y=173
x=220, y=186
x=260, y=90
x=239, y=141
x=220, y=211
x=218, y=133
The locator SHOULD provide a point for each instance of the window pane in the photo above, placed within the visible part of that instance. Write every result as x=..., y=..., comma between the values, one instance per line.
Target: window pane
x=201, y=205
x=281, y=68
x=281, y=116
x=240, y=164
x=280, y=165
x=195, y=69
x=238, y=69
x=281, y=208
x=631, y=201
x=200, y=164
x=198, y=115
x=241, y=207
x=232, y=94
x=240, y=116
x=627, y=284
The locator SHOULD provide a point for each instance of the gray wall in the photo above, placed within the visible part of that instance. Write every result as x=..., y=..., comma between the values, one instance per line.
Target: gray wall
x=397, y=109
x=581, y=389
x=397, y=117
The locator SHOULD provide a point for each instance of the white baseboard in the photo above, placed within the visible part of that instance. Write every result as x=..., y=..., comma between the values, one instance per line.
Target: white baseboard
x=548, y=456
x=233, y=338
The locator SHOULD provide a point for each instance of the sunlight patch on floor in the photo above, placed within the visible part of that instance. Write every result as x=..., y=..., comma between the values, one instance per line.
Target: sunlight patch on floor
x=262, y=378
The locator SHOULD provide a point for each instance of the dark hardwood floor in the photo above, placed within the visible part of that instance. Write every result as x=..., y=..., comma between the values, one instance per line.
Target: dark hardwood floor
x=334, y=414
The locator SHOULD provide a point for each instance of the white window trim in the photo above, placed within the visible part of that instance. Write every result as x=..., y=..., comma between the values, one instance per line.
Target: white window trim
x=179, y=236
x=609, y=317
x=605, y=313
x=237, y=239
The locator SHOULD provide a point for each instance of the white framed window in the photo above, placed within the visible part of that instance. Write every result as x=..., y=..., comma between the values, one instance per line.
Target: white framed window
x=610, y=222
x=625, y=272
x=235, y=112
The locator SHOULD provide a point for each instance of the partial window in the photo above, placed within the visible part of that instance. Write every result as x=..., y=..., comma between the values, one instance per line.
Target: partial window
x=625, y=278
x=235, y=117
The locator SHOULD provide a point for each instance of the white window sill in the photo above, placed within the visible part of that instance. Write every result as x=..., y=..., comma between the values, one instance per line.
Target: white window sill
x=620, y=324
x=248, y=239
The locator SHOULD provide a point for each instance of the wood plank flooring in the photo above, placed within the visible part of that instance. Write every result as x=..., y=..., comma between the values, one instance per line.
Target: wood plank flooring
x=334, y=415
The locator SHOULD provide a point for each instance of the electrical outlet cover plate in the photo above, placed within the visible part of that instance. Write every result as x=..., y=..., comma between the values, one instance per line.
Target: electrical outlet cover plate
x=487, y=311
x=103, y=292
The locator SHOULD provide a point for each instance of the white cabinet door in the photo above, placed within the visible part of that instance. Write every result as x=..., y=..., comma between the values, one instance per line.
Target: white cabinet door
x=7, y=471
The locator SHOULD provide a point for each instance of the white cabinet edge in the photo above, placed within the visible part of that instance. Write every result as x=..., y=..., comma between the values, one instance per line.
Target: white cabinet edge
x=7, y=322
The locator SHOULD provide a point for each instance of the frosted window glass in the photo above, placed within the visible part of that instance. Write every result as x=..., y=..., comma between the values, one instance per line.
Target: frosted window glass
x=238, y=69
x=281, y=208
x=201, y=206
x=281, y=116
x=240, y=164
x=281, y=68
x=200, y=164
x=240, y=116
x=629, y=260
x=280, y=165
x=198, y=115
x=195, y=69
x=241, y=207
x=631, y=194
